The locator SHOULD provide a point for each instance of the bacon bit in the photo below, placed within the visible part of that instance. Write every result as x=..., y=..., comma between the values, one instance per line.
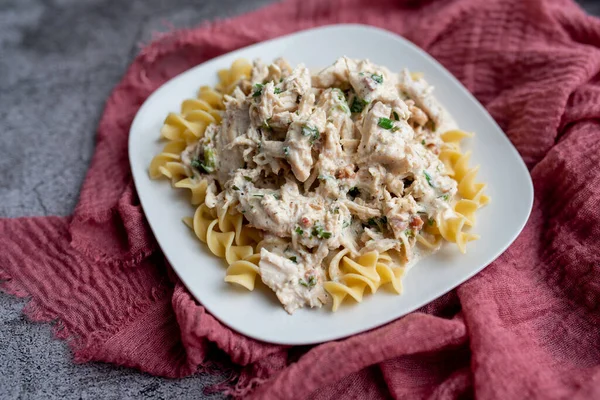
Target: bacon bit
x=305, y=222
x=434, y=148
x=346, y=173
x=416, y=223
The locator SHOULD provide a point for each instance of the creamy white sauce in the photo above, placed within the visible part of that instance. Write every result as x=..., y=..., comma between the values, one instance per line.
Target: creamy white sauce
x=345, y=157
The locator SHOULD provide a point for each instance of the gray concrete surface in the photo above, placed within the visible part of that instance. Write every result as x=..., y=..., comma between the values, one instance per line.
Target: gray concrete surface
x=59, y=60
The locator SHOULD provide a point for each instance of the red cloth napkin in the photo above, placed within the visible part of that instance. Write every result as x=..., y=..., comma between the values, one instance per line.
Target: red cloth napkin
x=525, y=327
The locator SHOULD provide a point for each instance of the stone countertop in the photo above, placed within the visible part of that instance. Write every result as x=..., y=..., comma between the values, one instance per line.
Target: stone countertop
x=59, y=61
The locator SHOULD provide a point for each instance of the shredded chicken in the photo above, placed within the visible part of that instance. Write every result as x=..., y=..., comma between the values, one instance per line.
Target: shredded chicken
x=344, y=158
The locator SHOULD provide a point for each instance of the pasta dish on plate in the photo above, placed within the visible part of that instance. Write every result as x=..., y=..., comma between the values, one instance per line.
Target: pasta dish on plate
x=325, y=185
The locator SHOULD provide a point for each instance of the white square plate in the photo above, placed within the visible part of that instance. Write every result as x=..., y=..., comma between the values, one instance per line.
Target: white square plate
x=258, y=314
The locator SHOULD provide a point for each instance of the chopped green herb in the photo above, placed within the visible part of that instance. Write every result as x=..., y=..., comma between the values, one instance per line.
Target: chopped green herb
x=336, y=210
x=340, y=94
x=354, y=192
x=423, y=142
x=347, y=223
x=312, y=281
x=312, y=133
x=385, y=123
x=377, y=223
x=344, y=108
x=196, y=163
x=377, y=78
x=320, y=233
x=209, y=160
x=430, y=221
x=281, y=79
x=358, y=105
x=257, y=90
x=361, y=74
x=248, y=178
x=409, y=233
x=235, y=187
x=428, y=177
x=258, y=195
x=294, y=259
x=277, y=197
x=299, y=231
x=396, y=117
x=395, y=128
x=208, y=165
x=277, y=90
x=445, y=197
x=286, y=150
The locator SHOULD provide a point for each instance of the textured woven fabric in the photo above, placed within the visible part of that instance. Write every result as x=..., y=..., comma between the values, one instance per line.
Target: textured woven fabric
x=525, y=327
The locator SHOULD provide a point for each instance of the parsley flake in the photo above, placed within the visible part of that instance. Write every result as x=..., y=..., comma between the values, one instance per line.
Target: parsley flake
x=320, y=233
x=208, y=164
x=344, y=108
x=312, y=281
x=257, y=89
x=377, y=223
x=358, y=105
x=428, y=177
x=377, y=78
x=385, y=123
x=310, y=132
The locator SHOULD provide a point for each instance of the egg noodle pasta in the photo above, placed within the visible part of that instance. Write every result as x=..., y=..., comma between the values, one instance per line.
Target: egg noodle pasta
x=325, y=187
